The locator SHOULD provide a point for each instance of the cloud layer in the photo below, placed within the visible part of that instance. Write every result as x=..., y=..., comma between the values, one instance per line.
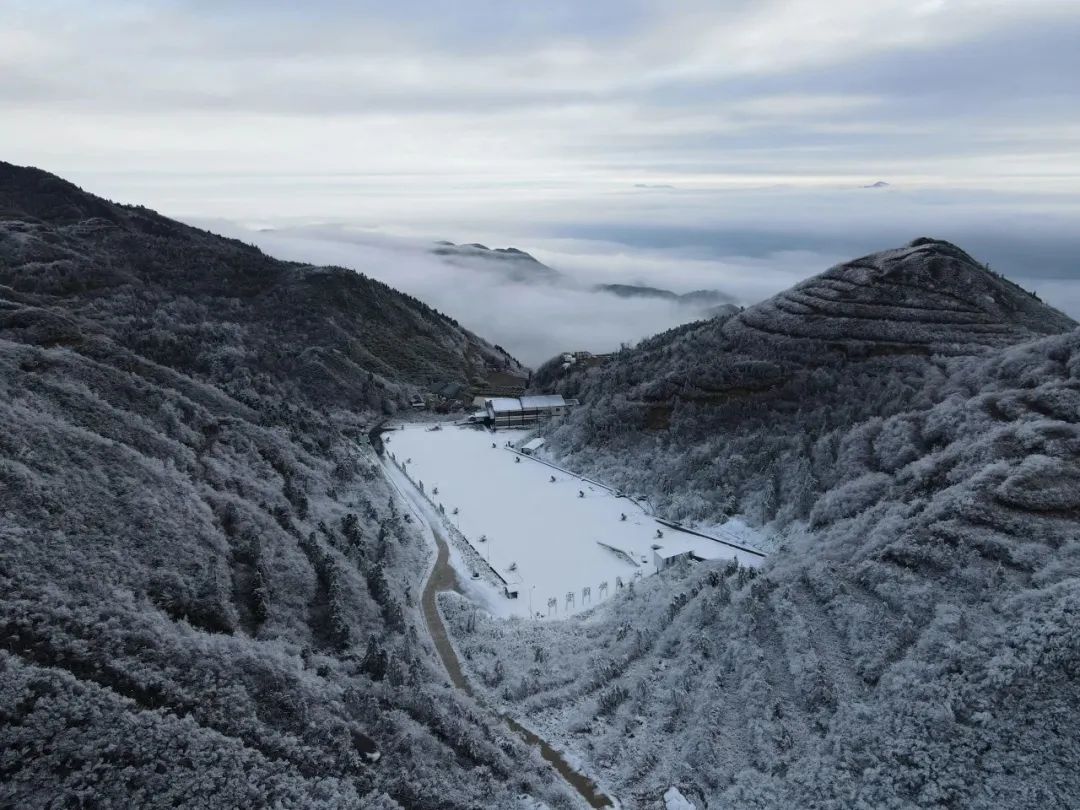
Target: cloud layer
x=533, y=321
x=748, y=244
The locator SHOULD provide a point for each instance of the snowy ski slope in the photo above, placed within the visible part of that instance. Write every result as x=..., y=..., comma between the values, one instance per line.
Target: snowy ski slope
x=560, y=541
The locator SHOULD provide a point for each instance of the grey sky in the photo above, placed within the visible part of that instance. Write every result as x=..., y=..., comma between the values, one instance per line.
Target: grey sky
x=651, y=133
x=971, y=92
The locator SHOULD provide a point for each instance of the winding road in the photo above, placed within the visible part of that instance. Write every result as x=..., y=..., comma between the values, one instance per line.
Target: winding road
x=443, y=578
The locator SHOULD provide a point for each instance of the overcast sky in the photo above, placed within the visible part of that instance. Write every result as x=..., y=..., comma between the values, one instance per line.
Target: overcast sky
x=658, y=137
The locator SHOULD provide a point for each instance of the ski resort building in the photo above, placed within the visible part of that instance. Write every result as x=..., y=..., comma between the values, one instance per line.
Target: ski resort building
x=667, y=557
x=544, y=405
x=503, y=412
x=532, y=446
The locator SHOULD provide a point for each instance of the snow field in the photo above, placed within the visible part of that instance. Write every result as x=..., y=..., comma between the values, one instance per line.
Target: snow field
x=547, y=538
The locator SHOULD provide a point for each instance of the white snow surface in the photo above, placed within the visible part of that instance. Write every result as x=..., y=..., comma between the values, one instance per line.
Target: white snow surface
x=552, y=533
x=674, y=800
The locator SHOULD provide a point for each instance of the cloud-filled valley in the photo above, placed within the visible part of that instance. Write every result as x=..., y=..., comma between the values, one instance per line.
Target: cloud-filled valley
x=533, y=321
x=747, y=244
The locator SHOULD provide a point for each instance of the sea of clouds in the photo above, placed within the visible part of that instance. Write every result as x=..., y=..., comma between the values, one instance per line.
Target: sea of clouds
x=746, y=243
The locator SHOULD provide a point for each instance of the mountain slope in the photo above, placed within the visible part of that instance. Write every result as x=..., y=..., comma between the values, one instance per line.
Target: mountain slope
x=747, y=414
x=207, y=595
x=912, y=642
x=216, y=307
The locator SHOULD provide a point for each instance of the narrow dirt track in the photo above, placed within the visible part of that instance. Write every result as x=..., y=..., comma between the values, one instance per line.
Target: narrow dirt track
x=442, y=579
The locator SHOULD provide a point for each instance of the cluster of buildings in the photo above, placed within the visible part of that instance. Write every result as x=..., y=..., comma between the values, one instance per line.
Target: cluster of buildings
x=457, y=396
x=504, y=412
x=586, y=359
x=498, y=401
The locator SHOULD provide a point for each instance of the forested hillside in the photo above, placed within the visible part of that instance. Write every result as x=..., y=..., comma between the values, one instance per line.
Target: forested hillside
x=914, y=640
x=78, y=268
x=754, y=413
x=207, y=596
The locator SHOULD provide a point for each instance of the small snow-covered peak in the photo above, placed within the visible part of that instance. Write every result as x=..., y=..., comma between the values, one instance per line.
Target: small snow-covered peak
x=928, y=294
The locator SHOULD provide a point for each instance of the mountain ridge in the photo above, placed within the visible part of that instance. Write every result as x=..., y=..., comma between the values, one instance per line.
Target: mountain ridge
x=515, y=264
x=928, y=293
x=841, y=346
x=695, y=298
x=522, y=267
x=96, y=251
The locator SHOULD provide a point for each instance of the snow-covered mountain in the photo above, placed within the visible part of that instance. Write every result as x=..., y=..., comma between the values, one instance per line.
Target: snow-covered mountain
x=214, y=306
x=207, y=592
x=907, y=426
x=929, y=296
x=210, y=595
x=728, y=412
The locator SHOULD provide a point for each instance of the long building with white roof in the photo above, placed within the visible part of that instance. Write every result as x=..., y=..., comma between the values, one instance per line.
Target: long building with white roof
x=520, y=411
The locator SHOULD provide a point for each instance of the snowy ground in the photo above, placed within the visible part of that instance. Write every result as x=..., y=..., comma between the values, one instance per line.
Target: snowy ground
x=553, y=535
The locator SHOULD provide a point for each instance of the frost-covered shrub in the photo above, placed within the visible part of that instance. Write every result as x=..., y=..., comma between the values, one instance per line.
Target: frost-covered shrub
x=849, y=499
x=1043, y=484
x=611, y=699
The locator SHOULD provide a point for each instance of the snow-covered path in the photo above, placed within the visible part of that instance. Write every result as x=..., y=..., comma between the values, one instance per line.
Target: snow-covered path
x=540, y=535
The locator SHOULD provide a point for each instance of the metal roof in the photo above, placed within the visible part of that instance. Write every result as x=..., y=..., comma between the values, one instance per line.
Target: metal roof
x=543, y=401
x=503, y=404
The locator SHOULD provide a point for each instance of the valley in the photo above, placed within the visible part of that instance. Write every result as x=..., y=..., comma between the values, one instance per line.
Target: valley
x=540, y=406
x=842, y=570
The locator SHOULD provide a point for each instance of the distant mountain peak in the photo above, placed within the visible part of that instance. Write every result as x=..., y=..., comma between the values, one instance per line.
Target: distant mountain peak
x=709, y=302
x=929, y=294
x=447, y=248
x=878, y=184
x=516, y=264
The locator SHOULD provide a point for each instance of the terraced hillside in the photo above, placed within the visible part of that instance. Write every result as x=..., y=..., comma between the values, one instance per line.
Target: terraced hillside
x=914, y=642
x=755, y=413
x=930, y=294
x=207, y=596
